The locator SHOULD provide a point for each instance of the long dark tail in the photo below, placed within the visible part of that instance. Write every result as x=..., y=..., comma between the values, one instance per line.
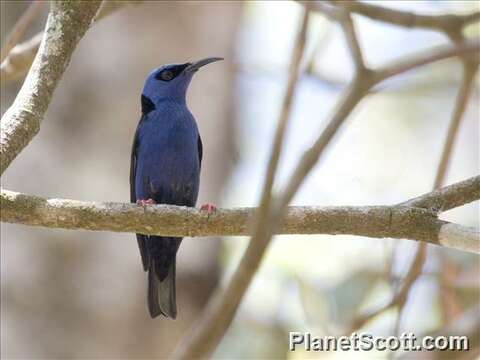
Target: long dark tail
x=161, y=294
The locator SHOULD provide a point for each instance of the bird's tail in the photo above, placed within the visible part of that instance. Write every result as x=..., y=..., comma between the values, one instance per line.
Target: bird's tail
x=161, y=294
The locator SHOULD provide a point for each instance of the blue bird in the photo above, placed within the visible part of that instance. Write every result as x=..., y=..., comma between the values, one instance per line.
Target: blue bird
x=165, y=169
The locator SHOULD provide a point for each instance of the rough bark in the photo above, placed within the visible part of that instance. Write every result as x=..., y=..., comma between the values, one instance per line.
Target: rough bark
x=396, y=221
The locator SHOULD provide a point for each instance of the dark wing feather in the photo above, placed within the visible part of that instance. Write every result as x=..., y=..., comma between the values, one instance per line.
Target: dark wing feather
x=200, y=150
x=141, y=239
x=133, y=168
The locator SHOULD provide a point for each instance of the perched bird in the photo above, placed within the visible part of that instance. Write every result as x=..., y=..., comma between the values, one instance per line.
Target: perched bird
x=165, y=169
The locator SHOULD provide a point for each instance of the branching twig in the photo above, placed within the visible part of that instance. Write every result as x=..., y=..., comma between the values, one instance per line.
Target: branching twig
x=426, y=57
x=448, y=197
x=346, y=22
x=469, y=70
x=446, y=23
x=67, y=23
x=358, y=89
x=452, y=26
x=430, y=201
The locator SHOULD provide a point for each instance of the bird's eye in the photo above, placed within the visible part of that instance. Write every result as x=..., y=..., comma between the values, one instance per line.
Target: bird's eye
x=166, y=75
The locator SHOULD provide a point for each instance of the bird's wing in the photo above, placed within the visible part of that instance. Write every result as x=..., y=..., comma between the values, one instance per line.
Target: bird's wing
x=133, y=167
x=200, y=150
x=141, y=239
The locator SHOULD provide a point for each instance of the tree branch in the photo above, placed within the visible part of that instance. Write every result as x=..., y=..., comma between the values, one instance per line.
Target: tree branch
x=19, y=59
x=352, y=96
x=353, y=43
x=446, y=23
x=410, y=62
x=395, y=221
x=67, y=23
x=448, y=197
x=360, y=87
x=343, y=17
x=426, y=57
x=415, y=219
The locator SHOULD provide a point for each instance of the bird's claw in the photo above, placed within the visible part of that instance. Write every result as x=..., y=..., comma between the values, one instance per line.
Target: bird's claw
x=209, y=208
x=143, y=202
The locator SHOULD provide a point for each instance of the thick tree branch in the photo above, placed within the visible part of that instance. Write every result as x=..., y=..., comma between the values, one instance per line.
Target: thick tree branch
x=67, y=23
x=396, y=221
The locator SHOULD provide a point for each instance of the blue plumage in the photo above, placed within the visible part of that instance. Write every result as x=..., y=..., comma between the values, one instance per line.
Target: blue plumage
x=165, y=169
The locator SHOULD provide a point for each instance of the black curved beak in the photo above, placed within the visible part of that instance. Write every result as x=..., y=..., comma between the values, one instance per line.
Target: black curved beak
x=198, y=64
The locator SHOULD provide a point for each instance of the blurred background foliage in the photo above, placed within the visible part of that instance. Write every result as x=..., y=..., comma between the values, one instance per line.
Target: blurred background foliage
x=78, y=294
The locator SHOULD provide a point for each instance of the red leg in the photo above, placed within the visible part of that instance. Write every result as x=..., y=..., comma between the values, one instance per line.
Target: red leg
x=143, y=202
x=209, y=208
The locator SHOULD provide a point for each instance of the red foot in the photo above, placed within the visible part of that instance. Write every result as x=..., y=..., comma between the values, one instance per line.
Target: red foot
x=209, y=208
x=146, y=202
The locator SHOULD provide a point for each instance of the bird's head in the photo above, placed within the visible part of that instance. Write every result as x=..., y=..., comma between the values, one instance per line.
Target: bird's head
x=170, y=82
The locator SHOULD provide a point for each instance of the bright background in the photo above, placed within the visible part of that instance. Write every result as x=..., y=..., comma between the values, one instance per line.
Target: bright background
x=78, y=294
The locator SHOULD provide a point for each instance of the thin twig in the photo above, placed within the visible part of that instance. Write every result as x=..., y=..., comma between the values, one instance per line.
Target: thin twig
x=447, y=277
x=207, y=332
x=20, y=27
x=66, y=24
x=20, y=58
x=446, y=23
x=331, y=12
x=356, y=91
x=448, y=197
x=413, y=273
x=108, y=7
x=353, y=43
x=345, y=20
x=426, y=57
x=459, y=110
